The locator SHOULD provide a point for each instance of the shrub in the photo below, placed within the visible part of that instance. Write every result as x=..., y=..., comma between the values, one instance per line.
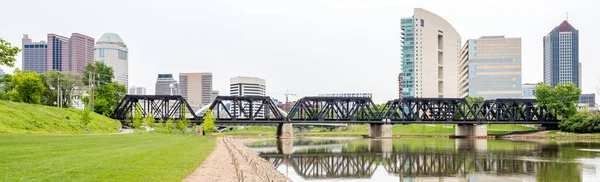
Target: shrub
x=582, y=122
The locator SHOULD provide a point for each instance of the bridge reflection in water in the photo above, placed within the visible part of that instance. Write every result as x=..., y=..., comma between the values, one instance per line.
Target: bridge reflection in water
x=414, y=158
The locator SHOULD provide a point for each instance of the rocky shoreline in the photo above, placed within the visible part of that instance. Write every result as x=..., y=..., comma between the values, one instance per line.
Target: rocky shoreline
x=232, y=161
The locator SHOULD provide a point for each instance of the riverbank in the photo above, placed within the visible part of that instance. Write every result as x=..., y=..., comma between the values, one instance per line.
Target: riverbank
x=232, y=161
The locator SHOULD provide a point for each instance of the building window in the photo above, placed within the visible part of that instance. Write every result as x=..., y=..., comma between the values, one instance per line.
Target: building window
x=422, y=23
x=101, y=52
x=122, y=55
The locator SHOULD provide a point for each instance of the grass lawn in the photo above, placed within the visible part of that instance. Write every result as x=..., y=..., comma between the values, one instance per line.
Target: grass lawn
x=112, y=157
x=505, y=128
x=39, y=119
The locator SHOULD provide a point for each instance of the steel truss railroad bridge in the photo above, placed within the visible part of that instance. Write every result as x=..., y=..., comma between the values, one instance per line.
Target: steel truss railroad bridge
x=262, y=110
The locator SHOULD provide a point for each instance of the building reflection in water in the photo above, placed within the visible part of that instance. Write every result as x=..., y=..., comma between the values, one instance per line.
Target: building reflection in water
x=429, y=159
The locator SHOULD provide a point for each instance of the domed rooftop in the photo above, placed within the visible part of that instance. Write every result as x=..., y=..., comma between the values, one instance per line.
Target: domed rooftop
x=111, y=38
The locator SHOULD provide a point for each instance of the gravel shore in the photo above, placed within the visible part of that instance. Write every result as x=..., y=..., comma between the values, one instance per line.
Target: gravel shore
x=232, y=161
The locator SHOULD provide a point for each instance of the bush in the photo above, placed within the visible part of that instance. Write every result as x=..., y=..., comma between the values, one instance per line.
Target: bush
x=582, y=122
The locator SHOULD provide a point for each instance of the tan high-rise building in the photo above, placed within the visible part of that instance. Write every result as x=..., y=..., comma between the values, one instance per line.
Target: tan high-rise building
x=196, y=88
x=58, y=53
x=430, y=47
x=490, y=67
x=82, y=52
x=69, y=54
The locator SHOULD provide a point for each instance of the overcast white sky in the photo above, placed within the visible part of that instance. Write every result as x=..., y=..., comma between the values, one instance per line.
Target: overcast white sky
x=304, y=46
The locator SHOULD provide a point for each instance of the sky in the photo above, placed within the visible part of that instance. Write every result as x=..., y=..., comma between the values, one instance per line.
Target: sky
x=305, y=47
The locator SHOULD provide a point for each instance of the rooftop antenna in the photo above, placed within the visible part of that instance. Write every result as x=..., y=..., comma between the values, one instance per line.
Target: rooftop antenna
x=567, y=16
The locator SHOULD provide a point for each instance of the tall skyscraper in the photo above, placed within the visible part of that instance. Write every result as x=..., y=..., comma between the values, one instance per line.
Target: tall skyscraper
x=490, y=67
x=112, y=51
x=196, y=88
x=58, y=53
x=429, y=56
x=166, y=85
x=400, y=85
x=69, y=54
x=34, y=55
x=137, y=90
x=247, y=86
x=561, y=55
x=81, y=48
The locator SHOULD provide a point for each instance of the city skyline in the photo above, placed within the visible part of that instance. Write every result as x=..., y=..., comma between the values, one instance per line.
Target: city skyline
x=242, y=37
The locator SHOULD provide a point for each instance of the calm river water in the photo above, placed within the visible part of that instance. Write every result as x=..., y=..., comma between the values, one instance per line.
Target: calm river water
x=431, y=159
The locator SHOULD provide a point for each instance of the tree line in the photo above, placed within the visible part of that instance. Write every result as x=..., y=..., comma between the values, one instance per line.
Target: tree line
x=31, y=87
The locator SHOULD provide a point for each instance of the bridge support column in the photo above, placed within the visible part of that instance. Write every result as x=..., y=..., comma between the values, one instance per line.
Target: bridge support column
x=381, y=145
x=470, y=130
x=471, y=144
x=285, y=146
x=285, y=131
x=380, y=131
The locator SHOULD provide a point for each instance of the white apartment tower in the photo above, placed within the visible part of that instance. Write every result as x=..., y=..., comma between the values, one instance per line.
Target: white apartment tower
x=430, y=49
x=247, y=86
x=113, y=52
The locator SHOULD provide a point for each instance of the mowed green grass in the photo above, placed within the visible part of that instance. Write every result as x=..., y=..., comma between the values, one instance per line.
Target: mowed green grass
x=39, y=119
x=111, y=157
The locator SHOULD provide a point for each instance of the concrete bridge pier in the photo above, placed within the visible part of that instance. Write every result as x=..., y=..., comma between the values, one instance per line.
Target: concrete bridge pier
x=285, y=146
x=470, y=130
x=381, y=145
x=285, y=131
x=380, y=131
x=471, y=144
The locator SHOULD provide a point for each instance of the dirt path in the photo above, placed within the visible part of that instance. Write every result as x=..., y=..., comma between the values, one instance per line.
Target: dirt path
x=232, y=161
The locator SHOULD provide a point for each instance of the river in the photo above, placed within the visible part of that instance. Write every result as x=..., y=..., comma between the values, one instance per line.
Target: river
x=431, y=159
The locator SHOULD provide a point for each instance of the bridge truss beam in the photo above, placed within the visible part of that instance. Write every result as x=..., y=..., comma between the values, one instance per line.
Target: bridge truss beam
x=334, y=109
x=245, y=108
x=159, y=106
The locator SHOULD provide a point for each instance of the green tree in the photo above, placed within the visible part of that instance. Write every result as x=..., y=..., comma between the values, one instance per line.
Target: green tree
x=8, y=53
x=137, y=117
x=149, y=122
x=86, y=118
x=6, y=85
x=102, y=74
x=209, y=122
x=70, y=87
x=28, y=87
x=107, y=94
x=161, y=123
x=473, y=100
x=169, y=125
x=184, y=122
x=560, y=99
